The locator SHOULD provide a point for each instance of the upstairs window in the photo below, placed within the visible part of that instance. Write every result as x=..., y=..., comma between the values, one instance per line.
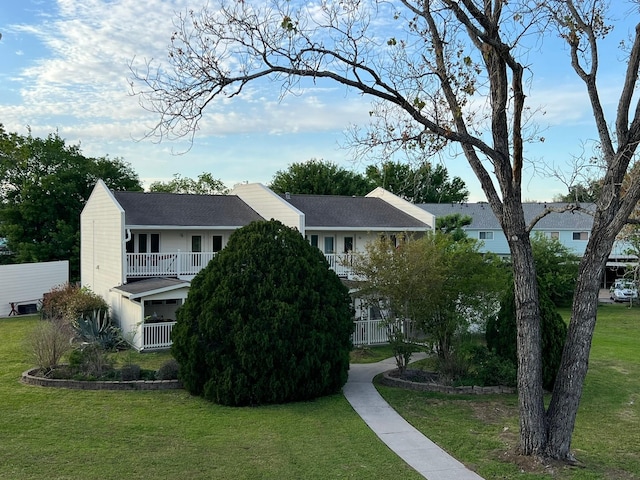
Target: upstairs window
x=142, y=243
x=155, y=242
x=328, y=245
x=581, y=235
x=485, y=235
x=348, y=244
x=196, y=243
x=216, y=243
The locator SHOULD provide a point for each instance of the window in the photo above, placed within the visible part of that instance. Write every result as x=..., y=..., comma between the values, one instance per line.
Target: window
x=328, y=245
x=216, y=243
x=196, y=248
x=485, y=235
x=155, y=242
x=581, y=235
x=196, y=243
x=142, y=243
x=314, y=241
x=348, y=244
x=554, y=235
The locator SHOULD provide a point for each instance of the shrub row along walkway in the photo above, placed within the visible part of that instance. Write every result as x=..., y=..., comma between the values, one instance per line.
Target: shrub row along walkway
x=408, y=443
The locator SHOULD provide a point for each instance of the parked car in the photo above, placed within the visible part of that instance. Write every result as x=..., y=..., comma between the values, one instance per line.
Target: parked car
x=623, y=291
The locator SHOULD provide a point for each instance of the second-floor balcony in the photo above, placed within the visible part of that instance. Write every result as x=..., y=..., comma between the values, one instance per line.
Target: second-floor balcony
x=188, y=264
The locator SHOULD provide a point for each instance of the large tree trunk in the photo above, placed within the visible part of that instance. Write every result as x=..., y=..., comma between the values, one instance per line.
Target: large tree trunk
x=533, y=432
x=567, y=390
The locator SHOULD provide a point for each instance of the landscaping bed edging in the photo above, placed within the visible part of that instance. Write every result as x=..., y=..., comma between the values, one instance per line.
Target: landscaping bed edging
x=390, y=381
x=29, y=378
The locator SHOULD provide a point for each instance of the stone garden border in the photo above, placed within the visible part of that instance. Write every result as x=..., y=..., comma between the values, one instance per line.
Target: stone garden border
x=389, y=381
x=29, y=378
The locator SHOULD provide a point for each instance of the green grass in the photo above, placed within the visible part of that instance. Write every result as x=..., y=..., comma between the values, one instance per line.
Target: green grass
x=48, y=433
x=65, y=434
x=371, y=354
x=482, y=432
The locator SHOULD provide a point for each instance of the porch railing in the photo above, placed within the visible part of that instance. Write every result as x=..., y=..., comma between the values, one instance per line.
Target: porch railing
x=340, y=263
x=366, y=332
x=370, y=332
x=156, y=335
x=172, y=264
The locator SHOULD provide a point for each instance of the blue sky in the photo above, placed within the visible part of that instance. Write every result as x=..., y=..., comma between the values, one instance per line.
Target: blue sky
x=65, y=68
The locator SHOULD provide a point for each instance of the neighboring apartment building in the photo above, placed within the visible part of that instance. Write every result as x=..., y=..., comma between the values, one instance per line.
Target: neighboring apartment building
x=571, y=228
x=141, y=250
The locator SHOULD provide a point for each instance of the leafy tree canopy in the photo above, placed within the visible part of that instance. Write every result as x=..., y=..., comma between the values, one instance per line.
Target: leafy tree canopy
x=434, y=281
x=205, y=184
x=501, y=335
x=45, y=184
x=318, y=177
x=266, y=321
x=423, y=184
x=453, y=224
x=557, y=268
x=588, y=192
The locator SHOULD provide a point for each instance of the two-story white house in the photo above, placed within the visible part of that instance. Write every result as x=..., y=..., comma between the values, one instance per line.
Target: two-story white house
x=140, y=250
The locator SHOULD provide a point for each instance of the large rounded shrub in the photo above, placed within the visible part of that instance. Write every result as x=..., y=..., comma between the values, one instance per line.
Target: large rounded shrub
x=266, y=321
x=501, y=335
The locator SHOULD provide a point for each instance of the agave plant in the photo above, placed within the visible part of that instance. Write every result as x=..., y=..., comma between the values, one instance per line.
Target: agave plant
x=95, y=327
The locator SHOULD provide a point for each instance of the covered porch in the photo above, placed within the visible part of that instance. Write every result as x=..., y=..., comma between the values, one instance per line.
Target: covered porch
x=147, y=311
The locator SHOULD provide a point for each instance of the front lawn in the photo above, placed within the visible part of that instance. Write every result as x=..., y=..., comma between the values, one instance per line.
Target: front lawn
x=482, y=431
x=68, y=434
x=52, y=434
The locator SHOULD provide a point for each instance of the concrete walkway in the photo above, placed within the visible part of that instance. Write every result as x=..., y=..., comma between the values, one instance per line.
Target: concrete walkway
x=408, y=443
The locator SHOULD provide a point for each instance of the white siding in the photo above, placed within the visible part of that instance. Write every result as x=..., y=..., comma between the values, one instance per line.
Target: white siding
x=270, y=205
x=28, y=282
x=102, y=244
x=130, y=320
x=407, y=207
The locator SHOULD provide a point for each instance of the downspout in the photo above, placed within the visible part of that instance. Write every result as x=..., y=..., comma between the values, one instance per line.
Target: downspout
x=127, y=237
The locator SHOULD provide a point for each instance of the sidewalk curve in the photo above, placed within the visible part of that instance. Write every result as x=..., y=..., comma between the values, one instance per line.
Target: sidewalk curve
x=413, y=447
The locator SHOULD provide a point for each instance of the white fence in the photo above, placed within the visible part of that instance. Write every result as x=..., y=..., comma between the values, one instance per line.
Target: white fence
x=156, y=335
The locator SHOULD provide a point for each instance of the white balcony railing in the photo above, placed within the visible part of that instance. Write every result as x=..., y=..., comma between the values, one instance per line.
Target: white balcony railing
x=178, y=264
x=340, y=263
x=170, y=264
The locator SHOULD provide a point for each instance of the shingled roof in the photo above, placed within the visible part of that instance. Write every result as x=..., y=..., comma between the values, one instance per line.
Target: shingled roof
x=149, y=286
x=483, y=217
x=172, y=209
x=334, y=211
